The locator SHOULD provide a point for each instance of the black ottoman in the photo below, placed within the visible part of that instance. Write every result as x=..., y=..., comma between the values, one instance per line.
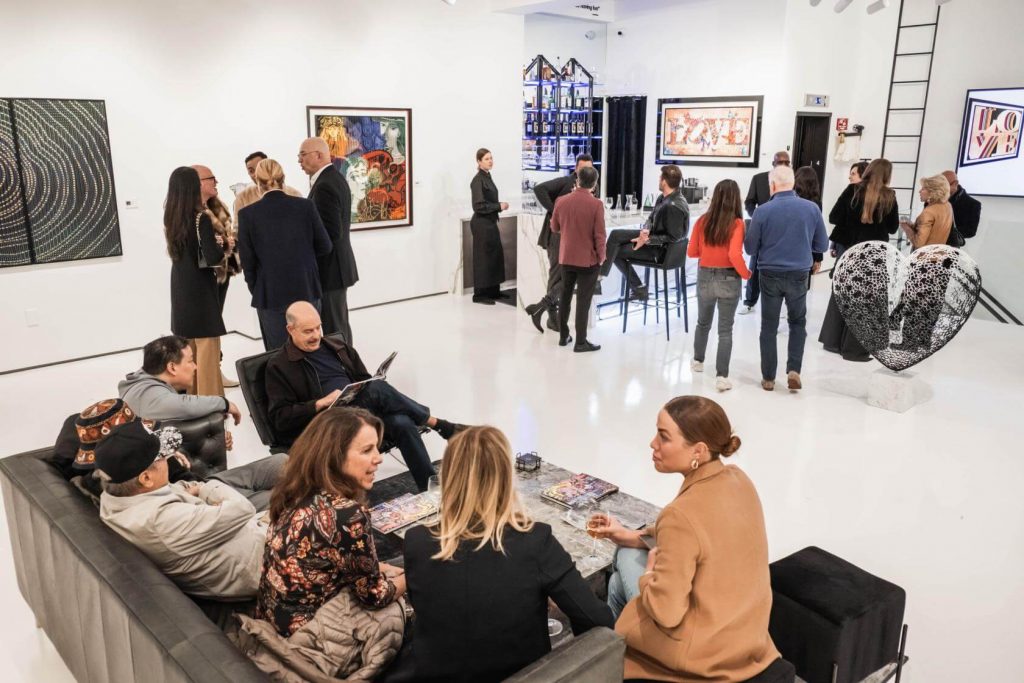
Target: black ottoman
x=826, y=612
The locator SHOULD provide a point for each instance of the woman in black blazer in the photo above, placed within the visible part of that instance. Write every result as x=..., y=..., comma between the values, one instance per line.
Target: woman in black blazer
x=480, y=579
x=488, y=255
x=279, y=239
x=195, y=249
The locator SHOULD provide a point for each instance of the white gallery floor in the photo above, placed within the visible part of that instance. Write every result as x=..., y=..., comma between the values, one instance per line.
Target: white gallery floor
x=929, y=499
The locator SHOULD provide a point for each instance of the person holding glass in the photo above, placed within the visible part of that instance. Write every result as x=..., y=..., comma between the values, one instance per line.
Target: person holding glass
x=481, y=576
x=488, y=255
x=706, y=573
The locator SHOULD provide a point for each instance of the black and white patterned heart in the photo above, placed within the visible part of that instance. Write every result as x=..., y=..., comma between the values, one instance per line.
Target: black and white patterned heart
x=904, y=309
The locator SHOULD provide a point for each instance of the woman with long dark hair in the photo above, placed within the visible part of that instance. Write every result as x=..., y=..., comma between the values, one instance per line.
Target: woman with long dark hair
x=864, y=212
x=195, y=250
x=488, y=256
x=807, y=186
x=717, y=241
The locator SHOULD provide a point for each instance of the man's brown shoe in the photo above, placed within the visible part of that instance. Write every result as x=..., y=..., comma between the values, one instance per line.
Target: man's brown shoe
x=768, y=384
x=793, y=381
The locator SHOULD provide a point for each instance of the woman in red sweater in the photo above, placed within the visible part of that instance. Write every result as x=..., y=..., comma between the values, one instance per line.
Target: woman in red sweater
x=717, y=241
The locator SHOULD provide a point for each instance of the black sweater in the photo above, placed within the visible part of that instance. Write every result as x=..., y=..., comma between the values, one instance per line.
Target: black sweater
x=849, y=230
x=483, y=616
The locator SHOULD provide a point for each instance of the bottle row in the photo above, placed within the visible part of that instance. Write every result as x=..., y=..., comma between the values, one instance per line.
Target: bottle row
x=567, y=100
x=564, y=124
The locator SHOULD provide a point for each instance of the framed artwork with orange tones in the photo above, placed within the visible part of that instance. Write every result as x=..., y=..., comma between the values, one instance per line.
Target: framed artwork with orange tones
x=372, y=149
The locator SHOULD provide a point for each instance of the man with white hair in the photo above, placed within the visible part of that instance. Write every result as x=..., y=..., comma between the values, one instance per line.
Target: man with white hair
x=330, y=193
x=782, y=237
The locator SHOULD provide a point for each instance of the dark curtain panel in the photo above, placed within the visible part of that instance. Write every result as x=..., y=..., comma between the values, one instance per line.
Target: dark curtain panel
x=627, y=125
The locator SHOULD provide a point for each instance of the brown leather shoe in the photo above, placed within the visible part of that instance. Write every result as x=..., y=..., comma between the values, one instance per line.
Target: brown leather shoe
x=768, y=384
x=793, y=381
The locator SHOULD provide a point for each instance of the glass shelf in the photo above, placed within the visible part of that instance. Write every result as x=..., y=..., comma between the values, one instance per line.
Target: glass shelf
x=560, y=111
x=561, y=137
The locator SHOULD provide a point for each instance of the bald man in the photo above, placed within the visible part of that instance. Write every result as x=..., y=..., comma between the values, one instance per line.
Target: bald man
x=330, y=193
x=966, y=209
x=758, y=195
x=224, y=227
x=309, y=372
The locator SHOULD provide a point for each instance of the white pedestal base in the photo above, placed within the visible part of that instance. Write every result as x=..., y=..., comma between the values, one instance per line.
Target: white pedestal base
x=898, y=392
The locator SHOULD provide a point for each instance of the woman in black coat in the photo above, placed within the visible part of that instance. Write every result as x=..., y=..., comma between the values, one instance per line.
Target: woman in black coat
x=488, y=256
x=480, y=579
x=865, y=211
x=195, y=249
x=279, y=239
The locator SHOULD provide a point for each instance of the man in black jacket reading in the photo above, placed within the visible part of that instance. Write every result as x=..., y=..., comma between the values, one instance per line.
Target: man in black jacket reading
x=308, y=374
x=330, y=193
x=547, y=194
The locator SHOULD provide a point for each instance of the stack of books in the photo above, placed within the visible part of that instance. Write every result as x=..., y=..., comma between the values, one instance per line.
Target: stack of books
x=579, y=487
x=400, y=512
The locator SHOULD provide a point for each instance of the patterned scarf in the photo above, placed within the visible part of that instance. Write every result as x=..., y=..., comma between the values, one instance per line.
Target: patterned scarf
x=221, y=219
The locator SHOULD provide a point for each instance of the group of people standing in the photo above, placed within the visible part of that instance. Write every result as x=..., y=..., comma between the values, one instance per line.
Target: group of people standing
x=287, y=247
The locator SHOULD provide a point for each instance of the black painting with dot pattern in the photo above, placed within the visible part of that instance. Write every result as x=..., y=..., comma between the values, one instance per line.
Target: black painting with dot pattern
x=57, y=200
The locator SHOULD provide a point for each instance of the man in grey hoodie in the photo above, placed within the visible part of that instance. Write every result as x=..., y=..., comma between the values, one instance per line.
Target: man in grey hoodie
x=155, y=391
x=206, y=537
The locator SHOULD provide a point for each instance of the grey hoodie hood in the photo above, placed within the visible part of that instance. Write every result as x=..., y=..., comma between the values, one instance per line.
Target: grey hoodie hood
x=153, y=399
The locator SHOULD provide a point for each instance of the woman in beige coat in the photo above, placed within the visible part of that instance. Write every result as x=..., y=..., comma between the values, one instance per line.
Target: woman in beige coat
x=699, y=611
x=935, y=222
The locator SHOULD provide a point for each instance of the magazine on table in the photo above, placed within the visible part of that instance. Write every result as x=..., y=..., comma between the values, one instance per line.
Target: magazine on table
x=348, y=394
x=570, y=492
x=400, y=512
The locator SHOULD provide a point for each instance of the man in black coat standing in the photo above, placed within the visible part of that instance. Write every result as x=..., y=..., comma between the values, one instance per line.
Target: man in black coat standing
x=330, y=193
x=758, y=194
x=966, y=209
x=547, y=193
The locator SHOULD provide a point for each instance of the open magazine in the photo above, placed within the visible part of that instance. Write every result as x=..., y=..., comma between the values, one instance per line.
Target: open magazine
x=349, y=392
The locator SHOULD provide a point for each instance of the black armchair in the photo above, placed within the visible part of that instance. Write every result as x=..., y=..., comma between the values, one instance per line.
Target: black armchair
x=203, y=443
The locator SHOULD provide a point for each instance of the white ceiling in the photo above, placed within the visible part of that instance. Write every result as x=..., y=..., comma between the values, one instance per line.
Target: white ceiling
x=592, y=10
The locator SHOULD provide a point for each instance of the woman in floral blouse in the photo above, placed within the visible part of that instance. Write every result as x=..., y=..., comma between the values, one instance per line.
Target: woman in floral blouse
x=319, y=540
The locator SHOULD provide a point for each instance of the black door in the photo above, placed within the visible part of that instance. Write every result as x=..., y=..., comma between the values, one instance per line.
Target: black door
x=810, y=142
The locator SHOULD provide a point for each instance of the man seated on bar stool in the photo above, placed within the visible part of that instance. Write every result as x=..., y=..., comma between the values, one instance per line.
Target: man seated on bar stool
x=669, y=222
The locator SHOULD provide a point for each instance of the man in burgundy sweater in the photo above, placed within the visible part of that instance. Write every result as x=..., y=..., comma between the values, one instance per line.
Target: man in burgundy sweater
x=579, y=218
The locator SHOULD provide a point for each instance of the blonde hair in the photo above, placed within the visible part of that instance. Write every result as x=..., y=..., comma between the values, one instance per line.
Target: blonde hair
x=478, y=494
x=269, y=175
x=936, y=188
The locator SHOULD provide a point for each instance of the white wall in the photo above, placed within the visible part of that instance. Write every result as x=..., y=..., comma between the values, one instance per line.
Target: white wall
x=559, y=38
x=208, y=82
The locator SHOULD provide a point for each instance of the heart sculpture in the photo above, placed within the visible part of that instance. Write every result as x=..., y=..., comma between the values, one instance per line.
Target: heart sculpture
x=904, y=309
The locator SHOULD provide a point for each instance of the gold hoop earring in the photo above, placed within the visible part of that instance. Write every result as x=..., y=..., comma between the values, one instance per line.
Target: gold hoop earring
x=694, y=464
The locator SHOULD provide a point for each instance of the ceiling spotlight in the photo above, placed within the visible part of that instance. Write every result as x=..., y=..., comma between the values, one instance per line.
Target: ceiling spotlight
x=450, y=2
x=815, y=3
x=842, y=5
x=941, y=2
x=877, y=6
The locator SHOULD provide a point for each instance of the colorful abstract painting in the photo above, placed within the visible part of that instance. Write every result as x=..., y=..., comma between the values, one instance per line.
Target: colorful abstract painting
x=372, y=148
x=709, y=130
x=57, y=199
x=993, y=132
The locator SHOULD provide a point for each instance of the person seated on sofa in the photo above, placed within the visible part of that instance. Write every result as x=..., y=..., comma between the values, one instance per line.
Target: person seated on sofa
x=157, y=390
x=320, y=542
x=308, y=373
x=480, y=579
x=205, y=536
x=696, y=606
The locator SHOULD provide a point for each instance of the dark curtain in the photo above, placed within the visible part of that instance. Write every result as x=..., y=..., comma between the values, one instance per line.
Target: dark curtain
x=624, y=166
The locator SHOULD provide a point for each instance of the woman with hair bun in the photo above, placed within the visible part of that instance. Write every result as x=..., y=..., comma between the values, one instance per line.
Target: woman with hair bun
x=696, y=605
x=280, y=238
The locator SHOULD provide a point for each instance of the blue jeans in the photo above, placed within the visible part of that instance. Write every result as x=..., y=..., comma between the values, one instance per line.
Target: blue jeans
x=776, y=286
x=402, y=418
x=624, y=584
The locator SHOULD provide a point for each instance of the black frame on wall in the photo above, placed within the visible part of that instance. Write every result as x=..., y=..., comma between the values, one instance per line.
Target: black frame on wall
x=757, y=99
x=58, y=202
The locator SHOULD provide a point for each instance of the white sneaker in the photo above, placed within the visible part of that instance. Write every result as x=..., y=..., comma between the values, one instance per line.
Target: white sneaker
x=746, y=310
x=696, y=366
x=723, y=384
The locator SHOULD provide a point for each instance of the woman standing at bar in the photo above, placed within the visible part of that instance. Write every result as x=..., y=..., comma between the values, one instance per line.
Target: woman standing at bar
x=488, y=256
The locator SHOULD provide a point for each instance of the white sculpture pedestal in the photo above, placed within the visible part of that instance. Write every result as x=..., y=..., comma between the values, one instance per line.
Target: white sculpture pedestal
x=898, y=392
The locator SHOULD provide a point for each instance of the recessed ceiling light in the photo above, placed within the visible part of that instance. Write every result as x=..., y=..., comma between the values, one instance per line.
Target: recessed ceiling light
x=877, y=6
x=842, y=5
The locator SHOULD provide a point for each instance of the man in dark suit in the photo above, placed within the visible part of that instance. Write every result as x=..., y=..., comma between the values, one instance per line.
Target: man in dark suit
x=330, y=193
x=966, y=209
x=547, y=193
x=758, y=194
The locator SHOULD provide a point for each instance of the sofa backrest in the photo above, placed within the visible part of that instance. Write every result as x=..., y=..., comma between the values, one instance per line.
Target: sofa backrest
x=111, y=614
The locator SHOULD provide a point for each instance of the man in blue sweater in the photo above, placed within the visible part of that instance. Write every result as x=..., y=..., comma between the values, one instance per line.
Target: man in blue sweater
x=781, y=238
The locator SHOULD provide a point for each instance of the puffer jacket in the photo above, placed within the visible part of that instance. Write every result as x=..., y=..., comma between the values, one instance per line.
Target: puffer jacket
x=343, y=642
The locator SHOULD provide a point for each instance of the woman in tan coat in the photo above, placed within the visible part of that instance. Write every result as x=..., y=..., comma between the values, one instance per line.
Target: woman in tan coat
x=699, y=611
x=935, y=222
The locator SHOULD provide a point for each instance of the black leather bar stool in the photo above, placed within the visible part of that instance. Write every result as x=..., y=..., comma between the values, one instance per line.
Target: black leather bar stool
x=671, y=258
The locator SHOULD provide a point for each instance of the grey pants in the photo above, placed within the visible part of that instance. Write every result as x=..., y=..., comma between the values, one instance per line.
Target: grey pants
x=719, y=287
x=255, y=480
x=554, y=294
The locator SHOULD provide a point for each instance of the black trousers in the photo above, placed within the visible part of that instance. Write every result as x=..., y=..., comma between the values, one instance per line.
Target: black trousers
x=584, y=280
x=620, y=247
x=753, y=292
x=555, y=274
x=402, y=417
x=334, y=313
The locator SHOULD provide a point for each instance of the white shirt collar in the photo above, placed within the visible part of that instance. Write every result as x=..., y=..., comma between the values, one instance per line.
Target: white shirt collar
x=312, y=178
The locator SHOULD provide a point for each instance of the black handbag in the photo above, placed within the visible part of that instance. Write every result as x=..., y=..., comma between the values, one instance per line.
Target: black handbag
x=955, y=239
x=202, y=257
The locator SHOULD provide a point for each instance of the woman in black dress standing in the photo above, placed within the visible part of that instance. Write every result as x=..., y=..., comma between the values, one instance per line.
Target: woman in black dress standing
x=488, y=256
x=807, y=186
x=865, y=211
x=195, y=249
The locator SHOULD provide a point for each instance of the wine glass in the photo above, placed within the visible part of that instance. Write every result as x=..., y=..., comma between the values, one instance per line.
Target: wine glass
x=579, y=516
x=633, y=203
x=609, y=202
x=434, y=489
